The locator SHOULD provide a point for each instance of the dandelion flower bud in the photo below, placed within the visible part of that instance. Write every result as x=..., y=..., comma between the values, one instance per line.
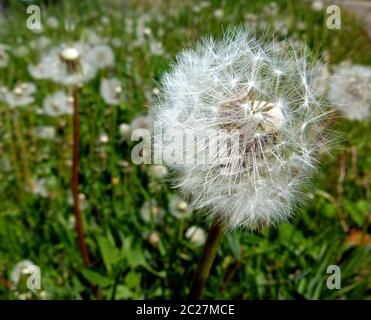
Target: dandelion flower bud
x=256, y=124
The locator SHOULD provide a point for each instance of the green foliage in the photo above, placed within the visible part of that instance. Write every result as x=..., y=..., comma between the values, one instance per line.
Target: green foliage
x=288, y=262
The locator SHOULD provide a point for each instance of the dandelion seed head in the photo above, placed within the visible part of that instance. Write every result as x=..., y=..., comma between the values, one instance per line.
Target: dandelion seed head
x=100, y=56
x=66, y=64
x=57, y=104
x=4, y=58
x=151, y=212
x=158, y=171
x=179, y=207
x=350, y=91
x=196, y=235
x=110, y=90
x=21, y=95
x=259, y=180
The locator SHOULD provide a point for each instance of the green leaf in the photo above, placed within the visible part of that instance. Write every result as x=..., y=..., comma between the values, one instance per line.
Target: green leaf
x=132, y=280
x=111, y=255
x=123, y=292
x=135, y=258
x=96, y=278
x=234, y=244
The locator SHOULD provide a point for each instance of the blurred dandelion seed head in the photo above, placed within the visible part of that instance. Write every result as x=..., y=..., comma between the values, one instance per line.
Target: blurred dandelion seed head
x=350, y=91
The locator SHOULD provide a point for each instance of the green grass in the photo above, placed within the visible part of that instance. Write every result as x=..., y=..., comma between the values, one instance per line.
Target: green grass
x=288, y=262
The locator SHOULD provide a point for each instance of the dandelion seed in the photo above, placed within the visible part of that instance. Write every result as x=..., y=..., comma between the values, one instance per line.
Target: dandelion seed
x=321, y=76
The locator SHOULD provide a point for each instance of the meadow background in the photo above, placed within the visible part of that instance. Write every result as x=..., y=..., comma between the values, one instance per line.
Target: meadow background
x=139, y=243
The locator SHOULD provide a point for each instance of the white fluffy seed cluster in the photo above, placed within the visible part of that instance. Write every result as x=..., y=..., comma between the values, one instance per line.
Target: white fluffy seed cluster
x=74, y=64
x=350, y=91
x=265, y=91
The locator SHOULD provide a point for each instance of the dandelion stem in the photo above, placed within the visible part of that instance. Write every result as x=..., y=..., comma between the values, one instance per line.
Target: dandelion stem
x=75, y=181
x=13, y=152
x=206, y=261
x=23, y=150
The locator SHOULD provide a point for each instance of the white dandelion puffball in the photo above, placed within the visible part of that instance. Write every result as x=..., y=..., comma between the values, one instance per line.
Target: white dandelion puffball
x=179, y=207
x=67, y=65
x=124, y=129
x=151, y=212
x=4, y=58
x=257, y=123
x=39, y=187
x=350, y=91
x=38, y=71
x=141, y=122
x=111, y=91
x=158, y=171
x=101, y=56
x=196, y=235
x=52, y=22
x=21, y=95
x=45, y=132
x=57, y=104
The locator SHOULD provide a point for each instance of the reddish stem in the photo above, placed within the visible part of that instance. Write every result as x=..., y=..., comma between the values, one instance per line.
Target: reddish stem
x=75, y=180
x=5, y=282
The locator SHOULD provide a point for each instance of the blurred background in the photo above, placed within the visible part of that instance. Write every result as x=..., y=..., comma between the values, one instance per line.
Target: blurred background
x=142, y=239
